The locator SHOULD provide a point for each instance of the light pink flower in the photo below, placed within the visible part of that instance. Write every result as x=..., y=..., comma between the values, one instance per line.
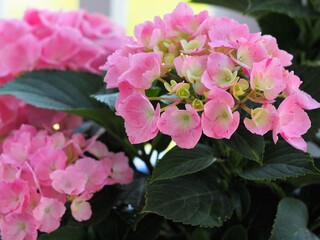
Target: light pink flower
x=292, y=82
x=267, y=76
x=98, y=149
x=140, y=118
x=69, y=181
x=262, y=119
x=293, y=123
x=144, y=69
x=271, y=46
x=218, y=121
x=81, y=209
x=184, y=126
x=47, y=160
x=183, y=20
x=12, y=195
x=220, y=71
x=150, y=34
x=190, y=67
x=55, y=53
x=250, y=53
x=227, y=32
x=95, y=174
x=19, y=227
x=48, y=214
x=120, y=170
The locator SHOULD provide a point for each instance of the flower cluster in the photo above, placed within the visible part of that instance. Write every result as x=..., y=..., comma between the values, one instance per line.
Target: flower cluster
x=51, y=40
x=39, y=173
x=207, y=72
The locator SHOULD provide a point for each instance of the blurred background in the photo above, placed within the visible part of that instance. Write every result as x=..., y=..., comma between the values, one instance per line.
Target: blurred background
x=127, y=13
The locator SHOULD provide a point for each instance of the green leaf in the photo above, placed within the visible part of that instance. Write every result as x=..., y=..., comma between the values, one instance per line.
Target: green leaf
x=249, y=145
x=281, y=161
x=235, y=232
x=241, y=200
x=200, y=233
x=154, y=91
x=112, y=227
x=66, y=233
x=292, y=8
x=147, y=229
x=309, y=179
x=238, y=5
x=60, y=90
x=191, y=199
x=179, y=162
x=291, y=221
x=108, y=99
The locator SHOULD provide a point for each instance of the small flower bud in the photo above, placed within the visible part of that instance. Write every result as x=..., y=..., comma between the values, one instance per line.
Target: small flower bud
x=197, y=104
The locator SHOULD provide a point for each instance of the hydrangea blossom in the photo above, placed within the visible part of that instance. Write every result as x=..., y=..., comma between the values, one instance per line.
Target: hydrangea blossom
x=51, y=40
x=40, y=172
x=209, y=71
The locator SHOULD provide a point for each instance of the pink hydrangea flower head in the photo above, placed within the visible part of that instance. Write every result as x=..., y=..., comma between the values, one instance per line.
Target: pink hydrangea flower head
x=140, y=118
x=210, y=66
x=184, y=126
x=48, y=214
x=19, y=227
x=218, y=121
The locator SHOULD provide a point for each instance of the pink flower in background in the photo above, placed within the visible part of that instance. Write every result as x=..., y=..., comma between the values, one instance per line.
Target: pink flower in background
x=118, y=166
x=48, y=214
x=39, y=174
x=19, y=226
x=12, y=195
x=51, y=40
x=69, y=181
